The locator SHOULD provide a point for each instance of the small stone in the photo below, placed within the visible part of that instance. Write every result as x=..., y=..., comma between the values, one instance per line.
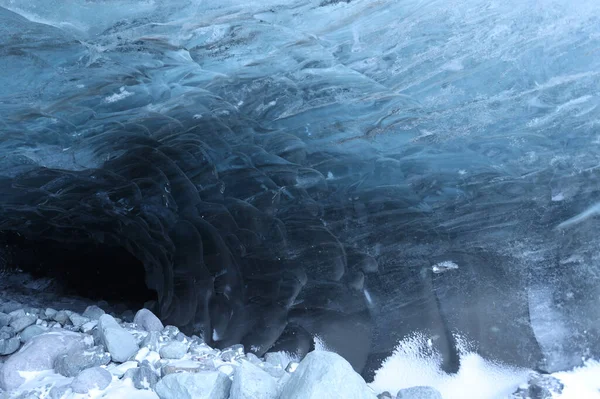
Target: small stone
x=540, y=386
x=31, y=332
x=50, y=313
x=173, y=350
x=94, y=378
x=59, y=392
x=4, y=319
x=143, y=377
x=15, y=314
x=152, y=341
x=62, y=316
x=89, y=326
x=20, y=323
x=120, y=343
x=233, y=352
x=419, y=392
x=93, y=312
x=119, y=370
x=187, y=368
x=9, y=346
x=75, y=361
x=37, y=355
x=204, y=385
x=78, y=320
x=251, y=382
x=7, y=332
x=148, y=321
x=323, y=374
x=170, y=332
x=384, y=395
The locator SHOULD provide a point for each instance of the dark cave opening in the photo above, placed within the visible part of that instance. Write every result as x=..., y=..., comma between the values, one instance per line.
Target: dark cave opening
x=84, y=268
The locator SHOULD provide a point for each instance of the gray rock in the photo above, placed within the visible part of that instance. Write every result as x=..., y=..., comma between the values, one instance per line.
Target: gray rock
x=148, y=321
x=252, y=358
x=31, y=332
x=384, y=395
x=188, y=368
x=37, y=355
x=232, y=352
x=419, y=392
x=88, y=379
x=120, y=343
x=58, y=392
x=143, y=377
x=78, y=320
x=152, y=341
x=50, y=313
x=251, y=382
x=540, y=386
x=20, y=323
x=7, y=332
x=15, y=314
x=9, y=346
x=204, y=385
x=170, y=332
x=62, y=316
x=4, y=319
x=93, y=312
x=88, y=327
x=75, y=361
x=325, y=375
x=173, y=350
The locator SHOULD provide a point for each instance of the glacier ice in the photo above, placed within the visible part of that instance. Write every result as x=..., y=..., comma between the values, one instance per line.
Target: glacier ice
x=286, y=169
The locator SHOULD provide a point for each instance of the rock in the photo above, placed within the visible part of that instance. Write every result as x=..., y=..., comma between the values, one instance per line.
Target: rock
x=62, y=316
x=17, y=313
x=324, y=374
x=37, y=355
x=233, y=352
x=9, y=346
x=60, y=391
x=31, y=332
x=120, y=343
x=75, y=361
x=88, y=379
x=50, y=313
x=148, y=321
x=93, y=312
x=188, y=367
x=4, y=319
x=78, y=320
x=170, y=332
x=173, y=350
x=419, y=392
x=89, y=326
x=251, y=382
x=384, y=395
x=20, y=323
x=540, y=386
x=143, y=377
x=152, y=341
x=7, y=332
x=252, y=358
x=119, y=370
x=203, y=385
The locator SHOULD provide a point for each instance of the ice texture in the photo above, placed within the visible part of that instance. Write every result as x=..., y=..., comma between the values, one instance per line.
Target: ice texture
x=303, y=165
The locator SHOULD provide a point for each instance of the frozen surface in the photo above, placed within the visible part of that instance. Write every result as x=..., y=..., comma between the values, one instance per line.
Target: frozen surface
x=344, y=153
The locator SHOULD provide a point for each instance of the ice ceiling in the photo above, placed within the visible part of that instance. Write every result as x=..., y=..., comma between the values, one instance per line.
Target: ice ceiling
x=359, y=170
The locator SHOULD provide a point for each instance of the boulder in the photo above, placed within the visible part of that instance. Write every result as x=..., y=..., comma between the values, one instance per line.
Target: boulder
x=203, y=385
x=119, y=342
x=252, y=382
x=323, y=374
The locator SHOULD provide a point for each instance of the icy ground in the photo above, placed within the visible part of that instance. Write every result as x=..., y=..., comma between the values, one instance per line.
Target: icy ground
x=478, y=378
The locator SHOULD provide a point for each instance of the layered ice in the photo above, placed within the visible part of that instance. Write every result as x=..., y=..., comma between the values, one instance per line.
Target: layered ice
x=273, y=170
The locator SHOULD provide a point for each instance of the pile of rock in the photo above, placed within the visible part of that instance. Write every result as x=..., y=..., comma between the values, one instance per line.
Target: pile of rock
x=96, y=351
